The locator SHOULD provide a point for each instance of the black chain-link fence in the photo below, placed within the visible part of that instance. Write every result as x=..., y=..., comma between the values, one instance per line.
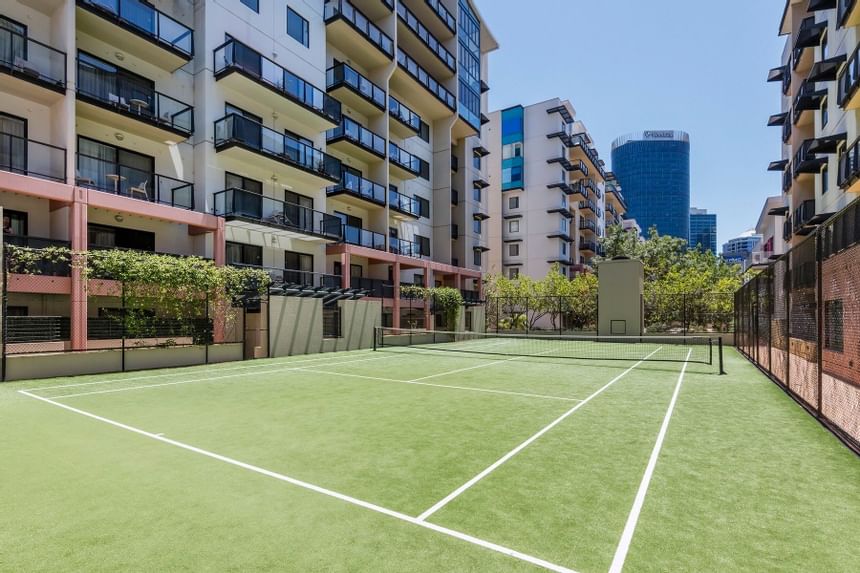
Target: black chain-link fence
x=799, y=321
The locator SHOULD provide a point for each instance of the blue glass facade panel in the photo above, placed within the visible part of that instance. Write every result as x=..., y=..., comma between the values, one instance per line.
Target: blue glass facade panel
x=513, y=175
x=703, y=231
x=655, y=176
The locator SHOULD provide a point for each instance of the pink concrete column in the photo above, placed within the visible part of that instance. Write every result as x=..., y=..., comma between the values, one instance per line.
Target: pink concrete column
x=78, y=239
x=428, y=317
x=395, y=319
x=217, y=307
x=345, y=270
x=219, y=247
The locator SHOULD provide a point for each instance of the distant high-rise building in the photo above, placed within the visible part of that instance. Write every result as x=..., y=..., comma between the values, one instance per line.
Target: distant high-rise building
x=653, y=168
x=703, y=230
x=739, y=250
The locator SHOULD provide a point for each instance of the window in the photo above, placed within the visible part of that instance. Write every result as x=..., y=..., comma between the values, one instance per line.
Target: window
x=468, y=315
x=513, y=272
x=825, y=116
x=514, y=203
x=476, y=194
x=239, y=254
x=13, y=146
x=423, y=206
x=514, y=250
x=424, y=132
x=477, y=258
x=833, y=325
x=230, y=108
x=233, y=181
x=297, y=27
x=299, y=268
x=512, y=176
x=825, y=179
x=564, y=248
x=252, y=4
x=114, y=169
x=418, y=279
x=476, y=162
x=514, y=226
x=512, y=150
x=102, y=236
x=14, y=223
x=476, y=226
x=424, y=247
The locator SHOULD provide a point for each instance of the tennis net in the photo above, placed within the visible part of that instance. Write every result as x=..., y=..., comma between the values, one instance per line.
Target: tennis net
x=699, y=349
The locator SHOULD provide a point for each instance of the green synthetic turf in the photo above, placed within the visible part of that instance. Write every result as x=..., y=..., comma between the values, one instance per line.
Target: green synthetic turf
x=746, y=480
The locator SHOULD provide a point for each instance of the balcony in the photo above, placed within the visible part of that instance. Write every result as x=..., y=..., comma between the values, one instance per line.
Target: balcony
x=246, y=71
x=41, y=267
x=567, y=165
x=139, y=29
x=350, y=30
x=588, y=206
x=363, y=238
x=355, y=140
x=849, y=168
x=441, y=103
x=805, y=161
x=560, y=235
x=787, y=178
x=403, y=247
x=110, y=177
x=375, y=288
x=112, y=99
x=471, y=297
x=455, y=197
x=403, y=205
x=355, y=90
x=35, y=67
x=588, y=247
x=32, y=158
x=441, y=15
x=808, y=36
x=580, y=144
x=455, y=231
x=413, y=35
x=405, y=165
x=251, y=143
x=289, y=282
x=563, y=211
x=587, y=225
x=808, y=98
x=802, y=217
x=407, y=123
x=847, y=13
x=848, y=82
x=266, y=215
x=357, y=190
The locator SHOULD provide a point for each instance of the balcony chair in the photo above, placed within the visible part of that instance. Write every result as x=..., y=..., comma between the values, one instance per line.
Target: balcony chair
x=140, y=192
x=118, y=101
x=83, y=181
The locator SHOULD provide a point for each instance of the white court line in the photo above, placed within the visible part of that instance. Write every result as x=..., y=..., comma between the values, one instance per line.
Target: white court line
x=639, y=501
x=317, y=489
x=268, y=363
x=454, y=494
x=205, y=379
x=486, y=390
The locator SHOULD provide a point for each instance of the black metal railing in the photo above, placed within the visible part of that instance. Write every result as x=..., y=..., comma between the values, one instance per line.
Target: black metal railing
x=363, y=238
x=406, y=160
x=403, y=114
x=291, y=278
x=360, y=187
x=144, y=18
x=32, y=158
x=806, y=161
x=233, y=55
x=112, y=177
x=849, y=165
x=471, y=296
x=403, y=247
x=111, y=328
x=400, y=202
x=342, y=75
x=587, y=224
x=335, y=9
x=352, y=131
x=803, y=214
x=849, y=79
x=24, y=57
x=843, y=8
x=239, y=203
x=430, y=83
x=42, y=266
x=444, y=15
x=376, y=288
x=37, y=329
x=429, y=40
x=234, y=129
x=129, y=98
x=787, y=178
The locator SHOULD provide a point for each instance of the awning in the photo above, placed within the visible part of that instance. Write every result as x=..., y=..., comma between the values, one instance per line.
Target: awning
x=827, y=144
x=778, y=165
x=480, y=216
x=507, y=217
x=480, y=248
x=826, y=70
x=481, y=150
x=778, y=211
x=776, y=74
x=816, y=5
x=810, y=33
x=777, y=119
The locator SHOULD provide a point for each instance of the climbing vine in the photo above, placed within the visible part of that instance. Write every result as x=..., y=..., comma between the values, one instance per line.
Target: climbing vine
x=447, y=300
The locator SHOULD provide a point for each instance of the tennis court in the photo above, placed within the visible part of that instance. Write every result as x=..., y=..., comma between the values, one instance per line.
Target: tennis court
x=471, y=453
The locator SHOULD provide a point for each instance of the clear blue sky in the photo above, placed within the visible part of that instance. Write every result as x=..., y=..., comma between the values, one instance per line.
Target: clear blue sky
x=630, y=65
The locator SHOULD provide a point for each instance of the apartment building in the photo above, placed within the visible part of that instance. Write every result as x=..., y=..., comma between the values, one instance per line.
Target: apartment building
x=820, y=75
x=770, y=226
x=550, y=195
x=331, y=142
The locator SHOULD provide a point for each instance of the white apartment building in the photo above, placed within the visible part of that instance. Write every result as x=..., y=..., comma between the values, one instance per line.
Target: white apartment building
x=820, y=77
x=324, y=140
x=770, y=226
x=551, y=197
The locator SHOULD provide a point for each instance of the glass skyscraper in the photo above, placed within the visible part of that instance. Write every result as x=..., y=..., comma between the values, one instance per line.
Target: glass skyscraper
x=653, y=168
x=703, y=230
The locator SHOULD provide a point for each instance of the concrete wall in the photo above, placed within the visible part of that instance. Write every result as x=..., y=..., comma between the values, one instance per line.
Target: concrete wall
x=620, y=298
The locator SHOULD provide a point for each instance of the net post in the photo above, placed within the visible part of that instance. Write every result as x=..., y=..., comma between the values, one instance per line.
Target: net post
x=722, y=365
x=375, y=334
x=710, y=351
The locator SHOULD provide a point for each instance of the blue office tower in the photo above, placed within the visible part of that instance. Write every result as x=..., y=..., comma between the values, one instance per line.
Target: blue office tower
x=703, y=230
x=653, y=168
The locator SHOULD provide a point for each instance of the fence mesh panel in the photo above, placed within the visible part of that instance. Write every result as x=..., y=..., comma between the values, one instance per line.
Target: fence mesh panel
x=799, y=320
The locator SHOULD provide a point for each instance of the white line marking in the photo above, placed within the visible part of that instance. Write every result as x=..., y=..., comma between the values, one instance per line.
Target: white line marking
x=468, y=368
x=639, y=501
x=205, y=379
x=486, y=390
x=268, y=363
x=317, y=489
x=447, y=499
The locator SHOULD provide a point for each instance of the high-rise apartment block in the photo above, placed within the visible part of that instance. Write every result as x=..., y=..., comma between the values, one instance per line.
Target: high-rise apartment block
x=550, y=195
x=653, y=167
x=333, y=142
x=820, y=162
x=703, y=230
